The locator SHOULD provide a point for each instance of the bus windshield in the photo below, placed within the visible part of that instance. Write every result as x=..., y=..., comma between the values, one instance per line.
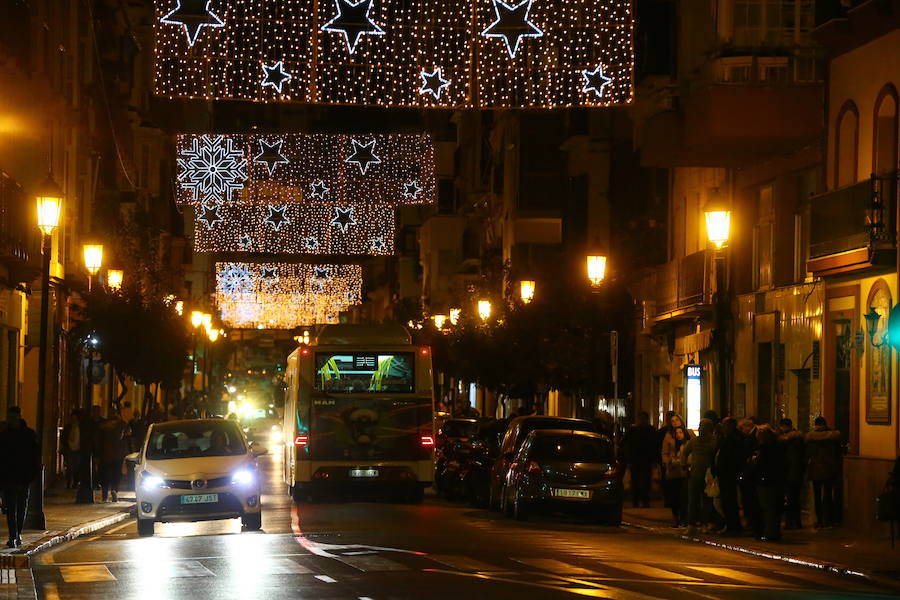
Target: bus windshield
x=361, y=372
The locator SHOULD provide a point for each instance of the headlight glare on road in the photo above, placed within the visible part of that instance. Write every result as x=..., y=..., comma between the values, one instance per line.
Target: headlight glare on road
x=151, y=482
x=242, y=477
x=276, y=437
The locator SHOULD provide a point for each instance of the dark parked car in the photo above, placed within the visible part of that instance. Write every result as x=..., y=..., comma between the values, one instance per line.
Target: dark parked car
x=518, y=429
x=569, y=471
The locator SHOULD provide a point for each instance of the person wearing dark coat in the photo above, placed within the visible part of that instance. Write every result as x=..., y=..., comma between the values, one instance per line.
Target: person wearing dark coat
x=112, y=446
x=730, y=460
x=823, y=450
x=769, y=458
x=697, y=457
x=20, y=459
x=747, y=485
x=640, y=453
x=794, y=468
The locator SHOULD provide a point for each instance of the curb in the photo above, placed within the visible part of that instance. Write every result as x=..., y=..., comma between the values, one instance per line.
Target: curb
x=829, y=567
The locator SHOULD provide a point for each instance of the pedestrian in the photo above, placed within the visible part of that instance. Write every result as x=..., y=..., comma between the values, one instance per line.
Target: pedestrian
x=675, y=488
x=730, y=460
x=111, y=451
x=640, y=454
x=697, y=457
x=769, y=482
x=823, y=450
x=794, y=471
x=747, y=484
x=20, y=460
x=70, y=448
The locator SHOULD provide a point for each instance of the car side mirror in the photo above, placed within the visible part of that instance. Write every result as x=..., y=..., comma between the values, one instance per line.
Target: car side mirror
x=134, y=457
x=259, y=450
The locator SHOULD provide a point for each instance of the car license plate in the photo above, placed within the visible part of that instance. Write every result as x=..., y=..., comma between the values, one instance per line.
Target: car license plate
x=363, y=472
x=577, y=494
x=199, y=498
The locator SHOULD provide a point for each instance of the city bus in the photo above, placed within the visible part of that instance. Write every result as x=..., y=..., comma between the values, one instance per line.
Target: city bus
x=359, y=414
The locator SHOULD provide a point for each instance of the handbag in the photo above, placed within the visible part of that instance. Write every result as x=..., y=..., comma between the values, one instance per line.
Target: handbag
x=712, y=485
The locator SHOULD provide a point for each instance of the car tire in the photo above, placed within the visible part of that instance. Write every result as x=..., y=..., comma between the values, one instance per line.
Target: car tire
x=611, y=515
x=252, y=521
x=520, y=508
x=417, y=495
x=145, y=527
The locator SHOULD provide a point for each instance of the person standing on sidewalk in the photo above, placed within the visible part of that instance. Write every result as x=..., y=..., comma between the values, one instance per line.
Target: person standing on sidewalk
x=70, y=442
x=823, y=449
x=640, y=453
x=794, y=472
x=697, y=457
x=20, y=459
x=769, y=482
x=730, y=461
x=111, y=437
x=671, y=444
x=749, y=497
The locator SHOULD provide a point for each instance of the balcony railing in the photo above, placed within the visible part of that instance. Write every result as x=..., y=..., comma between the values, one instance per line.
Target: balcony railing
x=682, y=284
x=14, y=224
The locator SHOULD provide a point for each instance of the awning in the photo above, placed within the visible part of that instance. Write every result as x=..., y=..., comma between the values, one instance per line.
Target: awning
x=693, y=343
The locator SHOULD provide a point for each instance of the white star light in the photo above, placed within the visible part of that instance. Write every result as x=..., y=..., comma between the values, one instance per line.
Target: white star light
x=270, y=155
x=245, y=242
x=411, y=190
x=311, y=244
x=353, y=21
x=377, y=244
x=343, y=218
x=363, y=155
x=275, y=76
x=213, y=168
x=318, y=189
x=210, y=215
x=512, y=24
x=595, y=81
x=433, y=83
x=277, y=217
x=193, y=15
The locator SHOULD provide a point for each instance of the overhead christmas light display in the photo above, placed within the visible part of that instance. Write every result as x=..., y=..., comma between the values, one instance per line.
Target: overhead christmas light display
x=283, y=295
x=272, y=169
x=453, y=53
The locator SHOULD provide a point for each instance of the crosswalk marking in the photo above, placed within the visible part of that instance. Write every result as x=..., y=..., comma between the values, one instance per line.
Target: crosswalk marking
x=280, y=566
x=179, y=569
x=326, y=578
x=464, y=563
x=648, y=571
x=372, y=562
x=557, y=567
x=86, y=573
x=740, y=576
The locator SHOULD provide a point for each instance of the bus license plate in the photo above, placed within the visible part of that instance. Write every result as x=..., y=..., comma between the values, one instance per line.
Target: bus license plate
x=199, y=498
x=576, y=494
x=363, y=472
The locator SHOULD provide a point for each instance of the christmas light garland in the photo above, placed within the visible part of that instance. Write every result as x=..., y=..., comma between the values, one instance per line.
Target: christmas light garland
x=284, y=295
x=418, y=53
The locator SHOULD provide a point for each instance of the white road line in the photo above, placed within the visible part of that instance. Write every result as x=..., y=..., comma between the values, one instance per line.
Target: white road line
x=371, y=563
x=649, y=571
x=554, y=567
x=464, y=563
x=744, y=577
x=326, y=578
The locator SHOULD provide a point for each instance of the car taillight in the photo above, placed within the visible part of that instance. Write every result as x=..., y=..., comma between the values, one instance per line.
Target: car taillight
x=611, y=473
x=427, y=441
x=534, y=468
x=301, y=440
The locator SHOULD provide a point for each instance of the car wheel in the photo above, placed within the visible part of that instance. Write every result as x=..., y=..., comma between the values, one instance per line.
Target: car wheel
x=520, y=509
x=417, y=495
x=145, y=527
x=252, y=521
x=611, y=515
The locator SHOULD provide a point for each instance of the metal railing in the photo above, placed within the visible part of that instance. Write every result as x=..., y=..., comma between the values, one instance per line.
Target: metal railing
x=682, y=283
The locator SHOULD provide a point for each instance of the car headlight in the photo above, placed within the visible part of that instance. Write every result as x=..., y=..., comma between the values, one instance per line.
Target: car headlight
x=242, y=477
x=246, y=429
x=151, y=482
x=276, y=437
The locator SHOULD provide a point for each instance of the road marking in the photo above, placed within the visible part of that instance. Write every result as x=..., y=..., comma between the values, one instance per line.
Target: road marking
x=648, y=571
x=279, y=566
x=464, y=563
x=186, y=568
x=554, y=566
x=86, y=574
x=741, y=576
x=326, y=578
x=373, y=562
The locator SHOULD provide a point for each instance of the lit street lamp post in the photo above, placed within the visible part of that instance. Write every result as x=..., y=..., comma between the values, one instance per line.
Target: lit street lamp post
x=93, y=261
x=196, y=321
x=718, y=230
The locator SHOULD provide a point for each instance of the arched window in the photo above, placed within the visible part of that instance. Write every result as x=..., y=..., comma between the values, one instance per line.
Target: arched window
x=884, y=131
x=878, y=357
x=846, y=141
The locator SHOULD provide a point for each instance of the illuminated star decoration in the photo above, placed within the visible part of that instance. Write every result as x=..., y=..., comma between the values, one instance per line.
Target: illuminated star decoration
x=512, y=24
x=213, y=168
x=193, y=15
x=343, y=218
x=411, y=190
x=317, y=286
x=363, y=155
x=275, y=76
x=270, y=274
x=244, y=242
x=321, y=273
x=311, y=244
x=318, y=189
x=210, y=215
x=276, y=217
x=433, y=83
x=270, y=155
x=353, y=21
x=378, y=244
x=595, y=81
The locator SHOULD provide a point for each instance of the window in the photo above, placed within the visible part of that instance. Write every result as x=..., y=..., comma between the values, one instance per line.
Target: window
x=772, y=22
x=884, y=158
x=360, y=372
x=195, y=438
x=878, y=359
x=571, y=448
x=763, y=240
x=774, y=70
x=845, y=145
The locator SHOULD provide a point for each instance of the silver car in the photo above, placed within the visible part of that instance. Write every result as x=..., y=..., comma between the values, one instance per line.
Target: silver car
x=197, y=470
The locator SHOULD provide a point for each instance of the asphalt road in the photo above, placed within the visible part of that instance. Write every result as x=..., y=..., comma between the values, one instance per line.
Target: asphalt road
x=380, y=550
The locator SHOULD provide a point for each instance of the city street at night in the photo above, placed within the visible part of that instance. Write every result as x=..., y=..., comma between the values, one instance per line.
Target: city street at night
x=382, y=550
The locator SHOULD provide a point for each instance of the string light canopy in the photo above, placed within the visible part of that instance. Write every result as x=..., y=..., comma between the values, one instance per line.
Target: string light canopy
x=416, y=53
x=284, y=295
x=388, y=169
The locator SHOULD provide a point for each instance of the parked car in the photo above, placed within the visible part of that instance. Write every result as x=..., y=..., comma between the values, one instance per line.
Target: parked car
x=197, y=470
x=518, y=429
x=567, y=471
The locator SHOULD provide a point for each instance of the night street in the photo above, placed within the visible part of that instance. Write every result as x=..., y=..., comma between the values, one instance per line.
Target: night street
x=382, y=550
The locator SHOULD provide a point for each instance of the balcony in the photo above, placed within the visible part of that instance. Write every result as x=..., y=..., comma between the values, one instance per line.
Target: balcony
x=683, y=288
x=846, y=234
x=17, y=233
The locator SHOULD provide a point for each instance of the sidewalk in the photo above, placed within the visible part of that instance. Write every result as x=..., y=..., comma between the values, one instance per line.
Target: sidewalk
x=836, y=550
x=65, y=521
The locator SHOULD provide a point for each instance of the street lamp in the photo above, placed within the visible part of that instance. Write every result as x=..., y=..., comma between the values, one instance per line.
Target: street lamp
x=212, y=334
x=454, y=315
x=873, y=319
x=93, y=260
x=196, y=318
x=718, y=230
x=440, y=321
x=718, y=226
x=526, y=291
x=49, y=203
x=484, y=309
x=179, y=307
x=206, y=320
x=114, y=279
x=596, y=269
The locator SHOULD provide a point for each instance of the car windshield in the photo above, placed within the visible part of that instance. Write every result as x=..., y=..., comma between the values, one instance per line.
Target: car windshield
x=571, y=448
x=194, y=438
x=459, y=429
x=534, y=424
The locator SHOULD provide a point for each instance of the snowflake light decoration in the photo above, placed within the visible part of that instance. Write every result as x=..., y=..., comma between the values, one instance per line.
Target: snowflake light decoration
x=234, y=279
x=212, y=168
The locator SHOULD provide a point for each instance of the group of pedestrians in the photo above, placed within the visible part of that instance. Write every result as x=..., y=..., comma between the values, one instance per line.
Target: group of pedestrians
x=734, y=476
